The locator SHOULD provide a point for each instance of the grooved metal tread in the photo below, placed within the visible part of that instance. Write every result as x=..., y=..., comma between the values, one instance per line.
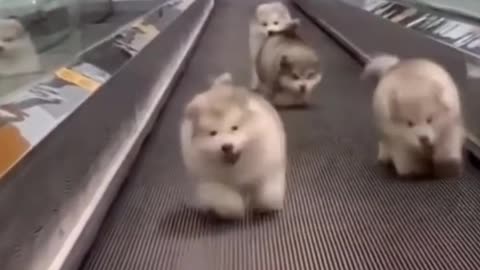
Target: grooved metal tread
x=343, y=210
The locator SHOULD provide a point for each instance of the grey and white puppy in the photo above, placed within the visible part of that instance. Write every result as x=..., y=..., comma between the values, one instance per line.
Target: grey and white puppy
x=269, y=18
x=288, y=68
x=234, y=147
x=418, y=112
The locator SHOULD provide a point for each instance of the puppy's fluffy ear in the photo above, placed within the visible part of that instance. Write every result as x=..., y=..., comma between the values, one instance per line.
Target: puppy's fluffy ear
x=194, y=107
x=225, y=78
x=379, y=64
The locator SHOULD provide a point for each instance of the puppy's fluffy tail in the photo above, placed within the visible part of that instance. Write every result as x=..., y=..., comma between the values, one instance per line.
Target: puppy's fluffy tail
x=379, y=65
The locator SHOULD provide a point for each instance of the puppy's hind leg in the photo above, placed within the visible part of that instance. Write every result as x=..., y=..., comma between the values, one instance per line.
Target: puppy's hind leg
x=269, y=195
x=447, y=157
x=224, y=201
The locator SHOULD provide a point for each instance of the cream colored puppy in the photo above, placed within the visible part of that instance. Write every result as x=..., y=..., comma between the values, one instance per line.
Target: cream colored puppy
x=269, y=18
x=234, y=147
x=288, y=68
x=418, y=112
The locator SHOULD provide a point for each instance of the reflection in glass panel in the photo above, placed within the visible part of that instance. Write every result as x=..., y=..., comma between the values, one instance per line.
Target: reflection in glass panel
x=36, y=37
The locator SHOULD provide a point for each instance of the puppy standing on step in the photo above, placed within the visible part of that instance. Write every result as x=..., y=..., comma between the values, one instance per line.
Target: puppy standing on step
x=269, y=18
x=288, y=68
x=234, y=146
x=17, y=52
x=418, y=112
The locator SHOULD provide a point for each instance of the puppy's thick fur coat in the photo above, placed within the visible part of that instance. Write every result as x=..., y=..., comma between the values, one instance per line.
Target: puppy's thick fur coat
x=418, y=112
x=234, y=147
x=269, y=18
x=288, y=68
x=17, y=52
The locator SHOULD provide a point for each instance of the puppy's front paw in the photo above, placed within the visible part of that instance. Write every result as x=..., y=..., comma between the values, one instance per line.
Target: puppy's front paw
x=220, y=200
x=270, y=196
x=231, y=212
x=384, y=156
x=229, y=208
x=417, y=169
x=448, y=168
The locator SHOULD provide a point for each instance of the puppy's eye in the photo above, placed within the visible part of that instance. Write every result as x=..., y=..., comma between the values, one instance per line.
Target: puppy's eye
x=430, y=120
x=410, y=123
x=8, y=39
x=275, y=23
x=234, y=128
x=310, y=75
x=295, y=77
x=265, y=24
x=213, y=133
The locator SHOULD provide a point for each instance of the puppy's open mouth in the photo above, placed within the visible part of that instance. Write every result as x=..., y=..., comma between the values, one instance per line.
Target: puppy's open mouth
x=231, y=157
x=427, y=148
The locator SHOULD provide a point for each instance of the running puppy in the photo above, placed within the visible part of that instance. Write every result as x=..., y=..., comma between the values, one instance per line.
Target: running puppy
x=234, y=146
x=288, y=68
x=269, y=18
x=418, y=112
x=17, y=52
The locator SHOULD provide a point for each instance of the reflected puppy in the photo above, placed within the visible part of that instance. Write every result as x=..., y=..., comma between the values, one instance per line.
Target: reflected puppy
x=17, y=52
x=269, y=18
x=418, y=112
x=288, y=68
x=234, y=146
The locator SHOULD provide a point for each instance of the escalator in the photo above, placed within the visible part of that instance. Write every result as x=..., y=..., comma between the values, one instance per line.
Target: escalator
x=343, y=211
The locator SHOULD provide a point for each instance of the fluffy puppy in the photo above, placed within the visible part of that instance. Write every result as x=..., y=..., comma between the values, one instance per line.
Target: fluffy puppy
x=233, y=145
x=288, y=68
x=418, y=112
x=269, y=18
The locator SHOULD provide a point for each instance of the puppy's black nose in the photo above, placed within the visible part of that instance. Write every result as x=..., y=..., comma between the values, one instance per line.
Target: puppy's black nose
x=424, y=140
x=269, y=33
x=227, y=148
x=2, y=49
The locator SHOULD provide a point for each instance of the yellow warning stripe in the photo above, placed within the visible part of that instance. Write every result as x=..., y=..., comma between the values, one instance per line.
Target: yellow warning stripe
x=78, y=79
x=145, y=28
